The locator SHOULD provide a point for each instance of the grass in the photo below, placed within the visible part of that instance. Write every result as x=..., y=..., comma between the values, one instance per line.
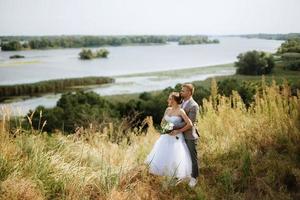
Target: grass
x=183, y=72
x=243, y=154
x=50, y=86
x=14, y=63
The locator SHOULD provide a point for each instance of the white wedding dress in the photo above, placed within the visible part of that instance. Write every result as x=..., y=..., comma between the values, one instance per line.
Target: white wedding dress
x=170, y=156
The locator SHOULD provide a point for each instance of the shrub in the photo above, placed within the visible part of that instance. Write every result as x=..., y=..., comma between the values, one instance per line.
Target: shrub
x=87, y=54
x=293, y=65
x=74, y=110
x=291, y=45
x=245, y=89
x=16, y=56
x=254, y=63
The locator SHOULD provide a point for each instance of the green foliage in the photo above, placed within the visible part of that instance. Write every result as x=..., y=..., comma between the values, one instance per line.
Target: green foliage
x=226, y=180
x=254, y=63
x=16, y=56
x=81, y=109
x=102, y=53
x=246, y=165
x=293, y=65
x=290, y=54
x=25, y=45
x=41, y=168
x=155, y=104
x=187, y=40
x=273, y=36
x=11, y=46
x=152, y=105
x=291, y=45
x=48, y=42
x=74, y=110
x=54, y=86
x=87, y=54
x=5, y=168
x=291, y=61
x=145, y=96
x=246, y=89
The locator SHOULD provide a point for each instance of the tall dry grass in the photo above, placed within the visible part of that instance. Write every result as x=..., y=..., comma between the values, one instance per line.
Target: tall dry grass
x=244, y=153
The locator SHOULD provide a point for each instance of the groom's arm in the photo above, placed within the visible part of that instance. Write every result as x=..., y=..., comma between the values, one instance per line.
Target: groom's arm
x=192, y=114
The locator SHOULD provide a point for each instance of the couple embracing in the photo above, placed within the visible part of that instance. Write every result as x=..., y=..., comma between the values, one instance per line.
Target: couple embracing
x=175, y=154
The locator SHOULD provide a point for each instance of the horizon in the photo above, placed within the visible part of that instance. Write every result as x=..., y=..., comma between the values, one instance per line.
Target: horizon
x=171, y=34
x=144, y=17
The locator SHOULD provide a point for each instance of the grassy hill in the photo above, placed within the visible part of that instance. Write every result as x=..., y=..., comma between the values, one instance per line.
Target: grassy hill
x=244, y=154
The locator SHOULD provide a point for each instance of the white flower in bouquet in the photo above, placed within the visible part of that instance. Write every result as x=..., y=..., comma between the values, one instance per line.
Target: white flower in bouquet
x=167, y=127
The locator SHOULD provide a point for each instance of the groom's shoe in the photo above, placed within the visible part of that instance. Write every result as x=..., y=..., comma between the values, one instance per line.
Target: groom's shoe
x=193, y=182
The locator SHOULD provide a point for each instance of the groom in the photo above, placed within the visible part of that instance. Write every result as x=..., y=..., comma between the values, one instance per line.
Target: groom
x=191, y=135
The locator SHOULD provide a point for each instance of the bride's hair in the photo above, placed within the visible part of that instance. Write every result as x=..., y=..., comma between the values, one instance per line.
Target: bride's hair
x=177, y=97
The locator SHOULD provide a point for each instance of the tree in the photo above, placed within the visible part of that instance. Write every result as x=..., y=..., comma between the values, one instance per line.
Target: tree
x=75, y=110
x=254, y=63
x=86, y=54
x=102, y=53
x=291, y=45
x=11, y=46
x=246, y=89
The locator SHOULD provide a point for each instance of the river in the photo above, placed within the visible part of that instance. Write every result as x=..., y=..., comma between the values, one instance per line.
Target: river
x=135, y=68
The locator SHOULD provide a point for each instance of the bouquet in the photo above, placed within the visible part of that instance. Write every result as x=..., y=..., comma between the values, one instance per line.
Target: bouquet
x=167, y=127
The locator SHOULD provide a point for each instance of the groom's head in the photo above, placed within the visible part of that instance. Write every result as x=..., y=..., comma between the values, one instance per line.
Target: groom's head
x=187, y=90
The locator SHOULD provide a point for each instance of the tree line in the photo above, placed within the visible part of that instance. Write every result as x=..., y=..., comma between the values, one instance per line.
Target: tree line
x=273, y=36
x=15, y=43
x=48, y=42
x=187, y=40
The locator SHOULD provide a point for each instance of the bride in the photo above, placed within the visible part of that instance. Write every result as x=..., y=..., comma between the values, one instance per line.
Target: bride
x=170, y=155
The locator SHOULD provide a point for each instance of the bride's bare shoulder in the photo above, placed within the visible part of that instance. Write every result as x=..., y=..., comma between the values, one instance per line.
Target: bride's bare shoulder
x=182, y=111
x=167, y=110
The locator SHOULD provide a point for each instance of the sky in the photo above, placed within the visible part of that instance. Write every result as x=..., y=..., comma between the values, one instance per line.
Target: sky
x=136, y=17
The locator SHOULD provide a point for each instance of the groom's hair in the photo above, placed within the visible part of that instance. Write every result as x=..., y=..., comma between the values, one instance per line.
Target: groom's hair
x=190, y=87
x=177, y=97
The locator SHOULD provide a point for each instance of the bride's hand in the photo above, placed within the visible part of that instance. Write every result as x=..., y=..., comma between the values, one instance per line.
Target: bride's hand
x=174, y=132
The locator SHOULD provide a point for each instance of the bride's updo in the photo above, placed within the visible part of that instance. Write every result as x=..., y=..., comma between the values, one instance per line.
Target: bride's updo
x=177, y=97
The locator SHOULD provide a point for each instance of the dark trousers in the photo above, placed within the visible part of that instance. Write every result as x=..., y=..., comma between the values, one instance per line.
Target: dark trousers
x=191, y=144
